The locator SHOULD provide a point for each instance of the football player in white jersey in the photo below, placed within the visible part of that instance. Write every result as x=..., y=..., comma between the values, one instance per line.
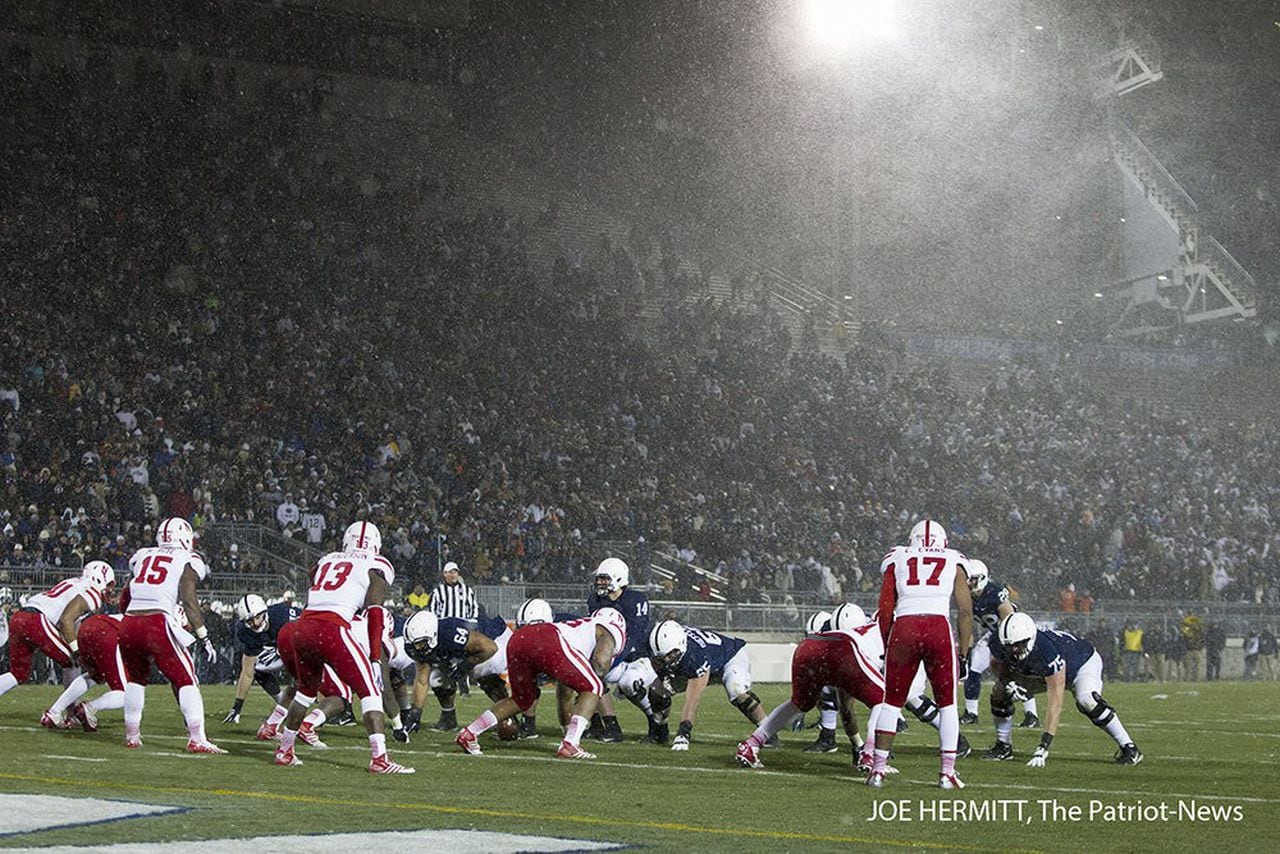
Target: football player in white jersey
x=576, y=654
x=919, y=582
x=47, y=623
x=342, y=583
x=164, y=576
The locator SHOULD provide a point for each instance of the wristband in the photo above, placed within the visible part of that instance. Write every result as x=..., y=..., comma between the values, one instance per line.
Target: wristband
x=685, y=729
x=237, y=705
x=202, y=633
x=74, y=645
x=1046, y=739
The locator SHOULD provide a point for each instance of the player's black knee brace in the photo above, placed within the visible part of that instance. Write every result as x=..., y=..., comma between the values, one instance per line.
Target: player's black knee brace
x=827, y=701
x=1000, y=708
x=926, y=711
x=493, y=686
x=445, y=695
x=269, y=683
x=659, y=703
x=973, y=685
x=1101, y=714
x=747, y=704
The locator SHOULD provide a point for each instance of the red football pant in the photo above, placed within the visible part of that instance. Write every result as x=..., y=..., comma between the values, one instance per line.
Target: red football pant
x=916, y=638
x=540, y=648
x=818, y=662
x=99, y=639
x=317, y=640
x=147, y=638
x=31, y=631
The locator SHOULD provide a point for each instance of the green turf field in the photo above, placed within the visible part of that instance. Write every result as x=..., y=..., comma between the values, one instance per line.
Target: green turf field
x=1207, y=748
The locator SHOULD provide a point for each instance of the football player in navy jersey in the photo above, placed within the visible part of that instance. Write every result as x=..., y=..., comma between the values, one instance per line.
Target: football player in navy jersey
x=1028, y=660
x=697, y=656
x=449, y=647
x=631, y=671
x=991, y=604
x=254, y=634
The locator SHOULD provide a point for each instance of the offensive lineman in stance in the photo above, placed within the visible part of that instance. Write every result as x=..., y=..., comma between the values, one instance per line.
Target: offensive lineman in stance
x=915, y=603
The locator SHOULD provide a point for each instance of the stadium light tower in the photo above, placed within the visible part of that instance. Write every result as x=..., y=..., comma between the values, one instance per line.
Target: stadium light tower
x=843, y=24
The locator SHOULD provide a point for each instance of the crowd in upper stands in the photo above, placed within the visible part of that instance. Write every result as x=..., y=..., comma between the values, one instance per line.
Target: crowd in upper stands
x=207, y=314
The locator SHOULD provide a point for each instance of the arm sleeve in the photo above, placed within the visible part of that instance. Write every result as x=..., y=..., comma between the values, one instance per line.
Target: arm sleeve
x=375, y=617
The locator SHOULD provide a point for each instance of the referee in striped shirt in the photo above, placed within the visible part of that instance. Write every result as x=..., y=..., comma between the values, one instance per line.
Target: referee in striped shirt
x=453, y=598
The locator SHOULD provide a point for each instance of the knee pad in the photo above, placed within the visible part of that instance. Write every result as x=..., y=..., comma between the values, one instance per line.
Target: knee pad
x=493, y=686
x=747, y=703
x=926, y=710
x=1000, y=708
x=269, y=683
x=445, y=695
x=973, y=685
x=659, y=702
x=370, y=704
x=1101, y=714
x=827, y=701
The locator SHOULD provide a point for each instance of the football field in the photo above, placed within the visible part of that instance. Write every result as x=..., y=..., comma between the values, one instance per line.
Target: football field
x=1209, y=782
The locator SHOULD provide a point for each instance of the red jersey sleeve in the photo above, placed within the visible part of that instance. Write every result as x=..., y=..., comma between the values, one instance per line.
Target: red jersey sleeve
x=888, y=599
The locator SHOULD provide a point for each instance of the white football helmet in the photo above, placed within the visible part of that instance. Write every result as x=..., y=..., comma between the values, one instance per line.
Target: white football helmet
x=362, y=537
x=611, y=575
x=534, y=611
x=1017, y=633
x=100, y=575
x=252, y=610
x=175, y=533
x=977, y=573
x=421, y=635
x=847, y=617
x=928, y=534
x=819, y=622
x=668, y=642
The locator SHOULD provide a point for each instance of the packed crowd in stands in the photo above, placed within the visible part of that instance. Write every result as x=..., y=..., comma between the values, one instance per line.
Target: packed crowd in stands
x=205, y=318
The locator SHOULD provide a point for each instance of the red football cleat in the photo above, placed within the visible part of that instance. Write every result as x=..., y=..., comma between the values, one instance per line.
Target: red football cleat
x=268, y=732
x=286, y=757
x=573, y=751
x=468, y=742
x=383, y=765
x=194, y=746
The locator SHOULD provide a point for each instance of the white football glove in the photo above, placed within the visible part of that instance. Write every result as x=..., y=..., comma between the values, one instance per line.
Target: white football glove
x=1038, y=758
x=210, y=654
x=680, y=743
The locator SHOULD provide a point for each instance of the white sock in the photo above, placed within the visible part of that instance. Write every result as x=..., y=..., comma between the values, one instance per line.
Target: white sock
x=780, y=717
x=315, y=718
x=287, y=738
x=278, y=714
x=828, y=718
x=1116, y=730
x=577, y=726
x=192, y=705
x=135, y=696
x=1030, y=707
x=109, y=700
x=873, y=717
x=485, y=722
x=378, y=744
x=7, y=681
x=948, y=728
x=74, y=692
x=970, y=706
x=1004, y=730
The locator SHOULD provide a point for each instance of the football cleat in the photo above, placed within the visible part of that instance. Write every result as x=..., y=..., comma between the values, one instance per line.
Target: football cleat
x=448, y=722
x=902, y=725
x=573, y=751
x=968, y=718
x=866, y=763
x=999, y=752
x=875, y=779
x=49, y=721
x=347, y=718
x=268, y=732
x=88, y=719
x=383, y=765
x=950, y=781
x=468, y=742
x=747, y=756
x=132, y=739
x=1128, y=755
x=401, y=735
x=595, y=729
x=528, y=729
x=1029, y=721
x=612, y=733
x=772, y=742
x=963, y=748
x=194, y=746
x=658, y=734
x=307, y=735
x=825, y=742
x=286, y=757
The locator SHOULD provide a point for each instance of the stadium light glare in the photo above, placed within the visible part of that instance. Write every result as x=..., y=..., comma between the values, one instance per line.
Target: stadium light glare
x=841, y=24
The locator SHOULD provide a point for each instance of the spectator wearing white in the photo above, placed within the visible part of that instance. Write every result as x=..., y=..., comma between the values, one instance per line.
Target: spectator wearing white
x=312, y=522
x=287, y=513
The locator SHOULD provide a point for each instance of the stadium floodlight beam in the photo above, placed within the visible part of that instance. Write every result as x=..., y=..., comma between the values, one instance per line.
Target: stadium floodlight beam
x=843, y=24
